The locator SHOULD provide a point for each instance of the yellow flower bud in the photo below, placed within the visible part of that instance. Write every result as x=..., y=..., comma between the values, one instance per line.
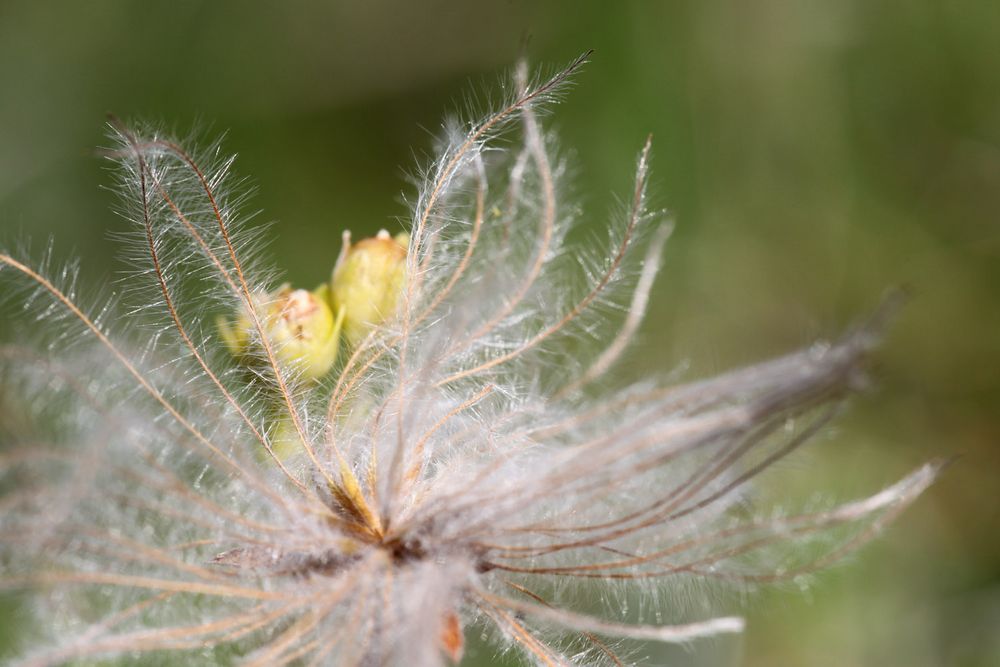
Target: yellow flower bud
x=284, y=440
x=236, y=335
x=367, y=282
x=299, y=325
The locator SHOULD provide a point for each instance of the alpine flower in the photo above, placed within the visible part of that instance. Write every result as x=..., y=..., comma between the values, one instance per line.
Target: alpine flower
x=213, y=467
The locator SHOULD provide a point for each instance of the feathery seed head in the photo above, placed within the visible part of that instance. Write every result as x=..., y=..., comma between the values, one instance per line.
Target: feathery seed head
x=459, y=469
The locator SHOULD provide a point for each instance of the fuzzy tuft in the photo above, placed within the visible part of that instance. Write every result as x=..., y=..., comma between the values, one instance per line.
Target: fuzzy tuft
x=468, y=463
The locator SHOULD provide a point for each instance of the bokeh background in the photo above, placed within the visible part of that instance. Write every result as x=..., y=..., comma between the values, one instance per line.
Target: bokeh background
x=813, y=154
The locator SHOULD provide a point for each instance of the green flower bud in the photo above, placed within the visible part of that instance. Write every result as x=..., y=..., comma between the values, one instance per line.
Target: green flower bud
x=367, y=282
x=299, y=325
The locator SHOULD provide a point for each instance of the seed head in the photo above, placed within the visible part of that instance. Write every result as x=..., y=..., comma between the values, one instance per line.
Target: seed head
x=467, y=464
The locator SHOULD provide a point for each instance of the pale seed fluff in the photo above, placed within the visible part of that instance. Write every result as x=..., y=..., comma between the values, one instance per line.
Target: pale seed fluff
x=463, y=466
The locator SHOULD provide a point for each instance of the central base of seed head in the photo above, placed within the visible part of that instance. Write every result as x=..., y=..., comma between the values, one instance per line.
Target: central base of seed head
x=401, y=551
x=404, y=551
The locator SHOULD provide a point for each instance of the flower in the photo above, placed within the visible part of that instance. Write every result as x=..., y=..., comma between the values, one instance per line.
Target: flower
x=299, y=324
x=367, y=281
x=465, y=463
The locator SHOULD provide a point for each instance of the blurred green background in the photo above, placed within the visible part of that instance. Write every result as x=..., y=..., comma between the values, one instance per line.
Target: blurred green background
x=813, y=153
